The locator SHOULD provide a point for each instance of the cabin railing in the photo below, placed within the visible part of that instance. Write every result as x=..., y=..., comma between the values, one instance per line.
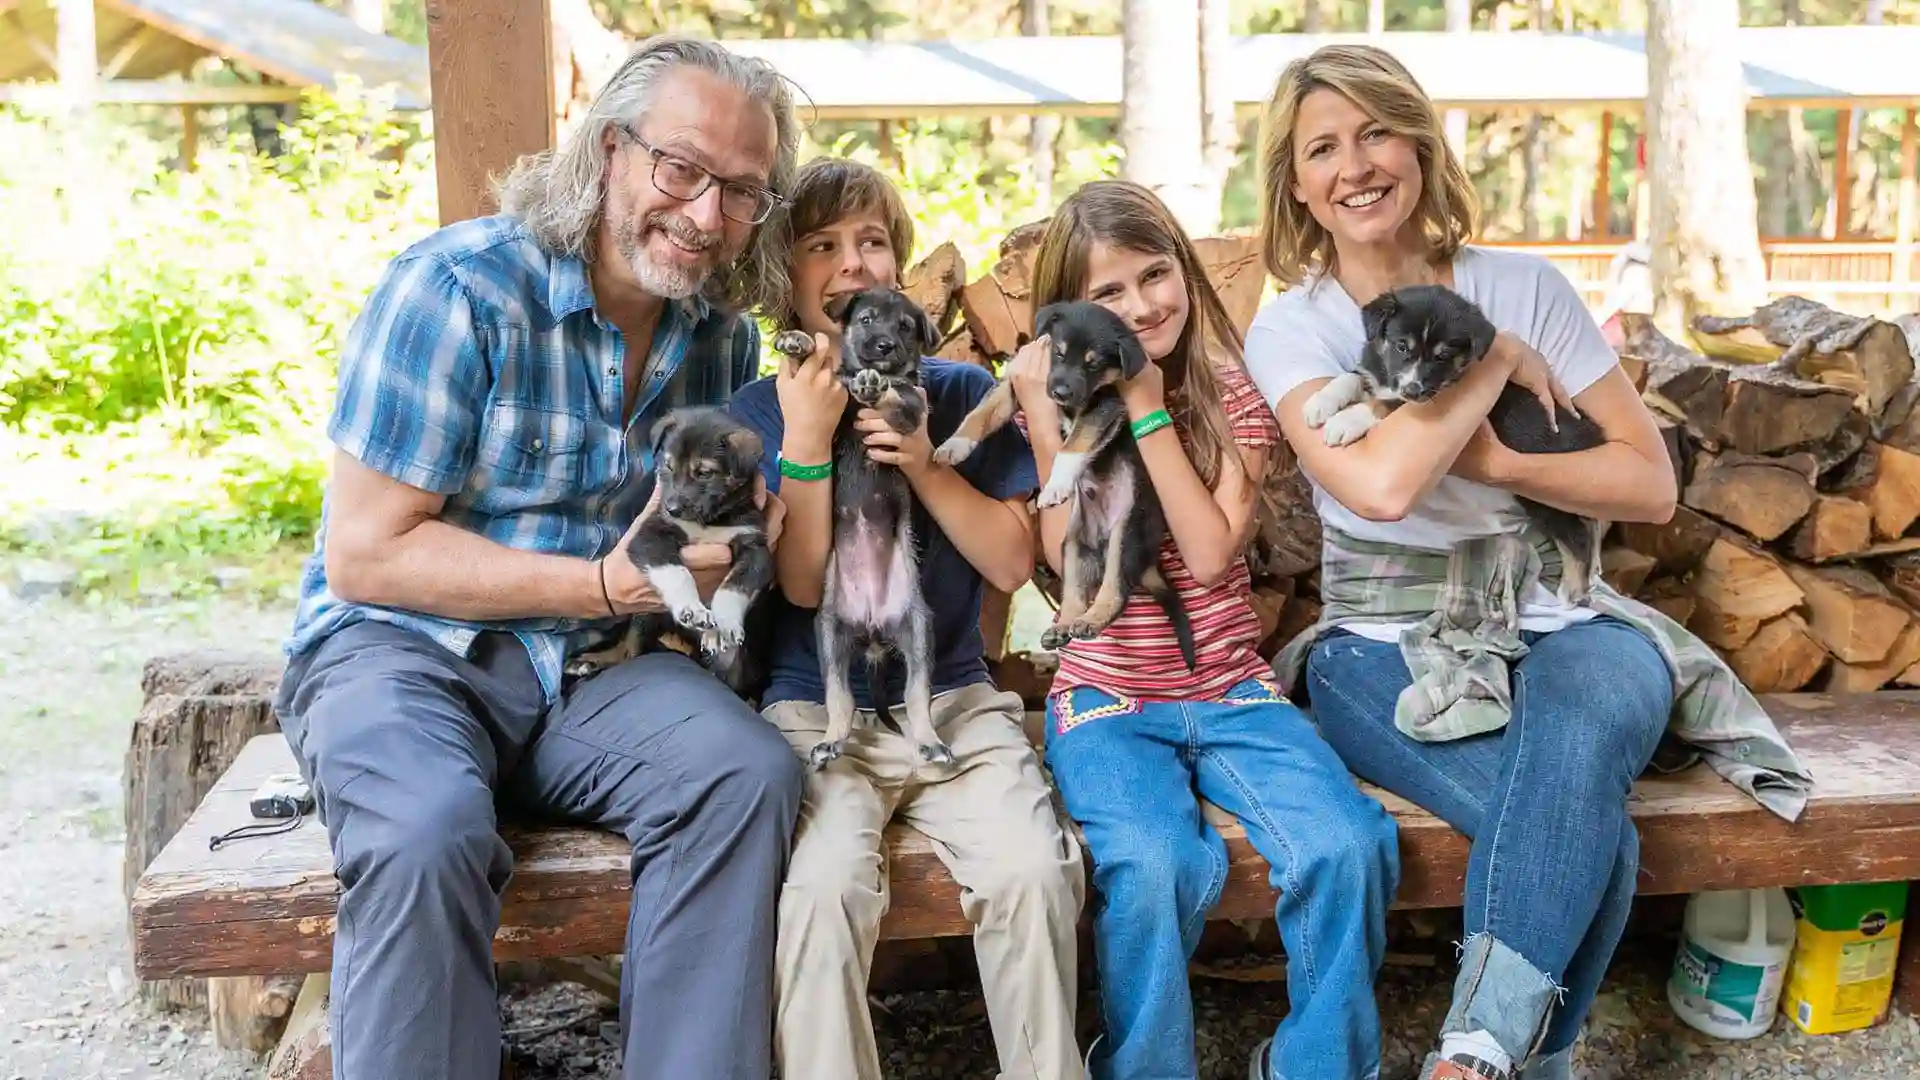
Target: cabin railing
x=1866, y=276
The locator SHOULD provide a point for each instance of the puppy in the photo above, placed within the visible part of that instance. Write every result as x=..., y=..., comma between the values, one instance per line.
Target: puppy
x=1420, y=340
x=1116, y=525
x=705, y=465
x=872, y=600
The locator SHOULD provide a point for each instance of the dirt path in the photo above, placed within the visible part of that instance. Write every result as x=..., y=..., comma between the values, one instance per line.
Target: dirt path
x=69, y=690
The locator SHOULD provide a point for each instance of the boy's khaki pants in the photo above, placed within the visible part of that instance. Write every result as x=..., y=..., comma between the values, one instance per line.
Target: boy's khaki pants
x=992, y=821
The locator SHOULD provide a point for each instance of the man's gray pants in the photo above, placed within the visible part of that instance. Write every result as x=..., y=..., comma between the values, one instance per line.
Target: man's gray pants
x=408, y=747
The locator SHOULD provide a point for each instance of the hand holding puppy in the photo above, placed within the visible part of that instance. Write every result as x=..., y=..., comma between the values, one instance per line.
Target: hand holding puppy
x=629, y=592
x=812, y=398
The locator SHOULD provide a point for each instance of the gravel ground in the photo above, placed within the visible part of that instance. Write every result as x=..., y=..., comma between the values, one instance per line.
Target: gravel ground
x=69, y=690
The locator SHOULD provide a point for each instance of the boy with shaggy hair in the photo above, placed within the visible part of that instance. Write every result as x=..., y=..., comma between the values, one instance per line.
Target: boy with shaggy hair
x=991, y=814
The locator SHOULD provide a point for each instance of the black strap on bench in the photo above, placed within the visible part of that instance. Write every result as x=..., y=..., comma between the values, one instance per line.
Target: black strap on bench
x=260, y=828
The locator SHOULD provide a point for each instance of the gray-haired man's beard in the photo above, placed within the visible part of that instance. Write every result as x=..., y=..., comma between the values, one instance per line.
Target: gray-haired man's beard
x=660, y=278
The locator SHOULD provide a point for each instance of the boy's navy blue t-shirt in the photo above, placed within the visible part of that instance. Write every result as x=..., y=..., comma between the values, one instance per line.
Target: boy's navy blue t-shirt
x=1001, y=468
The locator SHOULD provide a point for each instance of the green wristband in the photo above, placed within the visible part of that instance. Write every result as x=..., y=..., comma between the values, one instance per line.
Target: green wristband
x=806, y=472
x=1150, y=423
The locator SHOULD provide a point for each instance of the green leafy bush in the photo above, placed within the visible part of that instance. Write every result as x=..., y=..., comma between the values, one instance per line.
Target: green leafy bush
x=168, y=339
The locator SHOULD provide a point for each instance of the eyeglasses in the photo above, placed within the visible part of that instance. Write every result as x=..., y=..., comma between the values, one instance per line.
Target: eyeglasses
x=682, y=179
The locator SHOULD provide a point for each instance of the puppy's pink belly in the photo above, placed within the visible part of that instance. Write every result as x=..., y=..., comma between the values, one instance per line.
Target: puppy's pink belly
x=1106, y=507
x=872, y=582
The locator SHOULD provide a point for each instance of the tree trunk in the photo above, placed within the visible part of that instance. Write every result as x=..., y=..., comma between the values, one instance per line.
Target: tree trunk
x=1043, y=129
x=1220, y=133
x=585, y=55
x=1160, y=122
x=1459, y=21
x=1312, y=19
x=1376, y=16
x=1705, y=233
x=1533, y=154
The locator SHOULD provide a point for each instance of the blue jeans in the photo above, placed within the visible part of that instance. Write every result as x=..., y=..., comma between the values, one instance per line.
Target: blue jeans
x=1128, y=771
x=1550, y=879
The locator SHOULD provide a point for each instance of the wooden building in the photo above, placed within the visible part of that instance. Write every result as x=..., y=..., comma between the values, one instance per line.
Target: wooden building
x=152, y=52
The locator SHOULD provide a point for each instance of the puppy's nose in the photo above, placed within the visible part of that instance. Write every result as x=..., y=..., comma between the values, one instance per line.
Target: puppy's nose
x=1059, y=394
x=885, y=346
x=672, y=506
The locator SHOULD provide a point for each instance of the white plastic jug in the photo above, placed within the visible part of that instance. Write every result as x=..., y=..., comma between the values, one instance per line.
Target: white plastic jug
x=1732, y=961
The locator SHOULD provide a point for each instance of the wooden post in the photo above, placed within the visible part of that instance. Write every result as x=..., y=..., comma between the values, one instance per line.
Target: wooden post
x=189, y=136
x=1907, y=208
x=1603, y=182
x=1842, y=176
x=78, y=50
x=491, y=63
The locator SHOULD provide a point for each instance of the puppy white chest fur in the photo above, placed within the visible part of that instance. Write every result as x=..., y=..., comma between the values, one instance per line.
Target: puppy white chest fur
x=873, y=582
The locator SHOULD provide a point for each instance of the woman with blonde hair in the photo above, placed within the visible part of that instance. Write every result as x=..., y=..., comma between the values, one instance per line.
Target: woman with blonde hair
x=1135, y=739
x=1445, y=667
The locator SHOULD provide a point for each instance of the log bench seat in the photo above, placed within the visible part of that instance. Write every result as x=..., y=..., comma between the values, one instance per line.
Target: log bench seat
x=263, y=905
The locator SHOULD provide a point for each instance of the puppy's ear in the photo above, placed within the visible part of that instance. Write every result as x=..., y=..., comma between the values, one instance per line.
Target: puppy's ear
x=745, y=442
x=663, y=430
x=1044, y=319
x=838, y=307
x=1374, y=316
x=1133, y=358
x=929, y=334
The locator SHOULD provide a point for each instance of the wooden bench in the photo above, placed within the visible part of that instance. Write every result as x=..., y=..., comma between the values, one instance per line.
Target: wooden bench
x=266, y=905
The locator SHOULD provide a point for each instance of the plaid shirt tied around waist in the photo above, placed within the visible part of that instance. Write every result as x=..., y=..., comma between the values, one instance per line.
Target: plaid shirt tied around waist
x=480, y=369
x=1466, y=611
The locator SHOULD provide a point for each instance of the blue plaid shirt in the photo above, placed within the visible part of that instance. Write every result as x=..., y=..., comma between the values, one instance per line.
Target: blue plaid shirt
x=480, y=370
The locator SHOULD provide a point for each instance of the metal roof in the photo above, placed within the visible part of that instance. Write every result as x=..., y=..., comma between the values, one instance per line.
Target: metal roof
x=300, y=43
x=1831, y=65
x=295, y=42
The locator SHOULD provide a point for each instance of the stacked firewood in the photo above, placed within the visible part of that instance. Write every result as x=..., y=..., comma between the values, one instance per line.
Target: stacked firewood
x=1796, y=444
x=1793, y=435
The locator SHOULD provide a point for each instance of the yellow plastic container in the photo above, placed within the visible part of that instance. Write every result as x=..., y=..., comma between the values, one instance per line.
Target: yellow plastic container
x=1847, y=938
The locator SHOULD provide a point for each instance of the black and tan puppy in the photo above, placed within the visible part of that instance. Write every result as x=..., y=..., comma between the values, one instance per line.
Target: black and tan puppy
x=705, y=467
x=872, y=601
x=1116, y=525
x=1420, y=340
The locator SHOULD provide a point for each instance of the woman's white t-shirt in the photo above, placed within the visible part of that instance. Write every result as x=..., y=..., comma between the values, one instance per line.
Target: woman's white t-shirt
x=1314, y=331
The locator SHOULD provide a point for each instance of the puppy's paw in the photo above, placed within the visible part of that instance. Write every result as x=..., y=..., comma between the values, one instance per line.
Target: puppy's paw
x=1320, y=408
x=693, y=616
x=1349, y=425
x=729, y=618
x=1075, y=630
x=825, y=752
x=954, y=451
x=1054, y=494
x=936, y=753
x=1084, y=630
x=715, y=650
x=795, y=343
x=867, y=386
x=1330, y=399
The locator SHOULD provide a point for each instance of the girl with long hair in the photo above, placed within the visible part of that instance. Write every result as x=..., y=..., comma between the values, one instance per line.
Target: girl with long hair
x=1135, y=741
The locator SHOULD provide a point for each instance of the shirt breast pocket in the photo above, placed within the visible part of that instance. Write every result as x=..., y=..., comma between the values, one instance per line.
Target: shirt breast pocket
x=530, y=457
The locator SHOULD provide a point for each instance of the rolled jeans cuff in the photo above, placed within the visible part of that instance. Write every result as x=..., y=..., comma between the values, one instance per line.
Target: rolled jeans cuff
x=1500, y=993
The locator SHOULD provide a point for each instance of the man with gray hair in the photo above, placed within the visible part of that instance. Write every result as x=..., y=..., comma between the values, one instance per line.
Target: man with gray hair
x=495, y=402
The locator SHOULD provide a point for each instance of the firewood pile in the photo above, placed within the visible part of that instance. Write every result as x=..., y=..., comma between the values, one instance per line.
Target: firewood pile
x=1796, y=444
x=1793, y=435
